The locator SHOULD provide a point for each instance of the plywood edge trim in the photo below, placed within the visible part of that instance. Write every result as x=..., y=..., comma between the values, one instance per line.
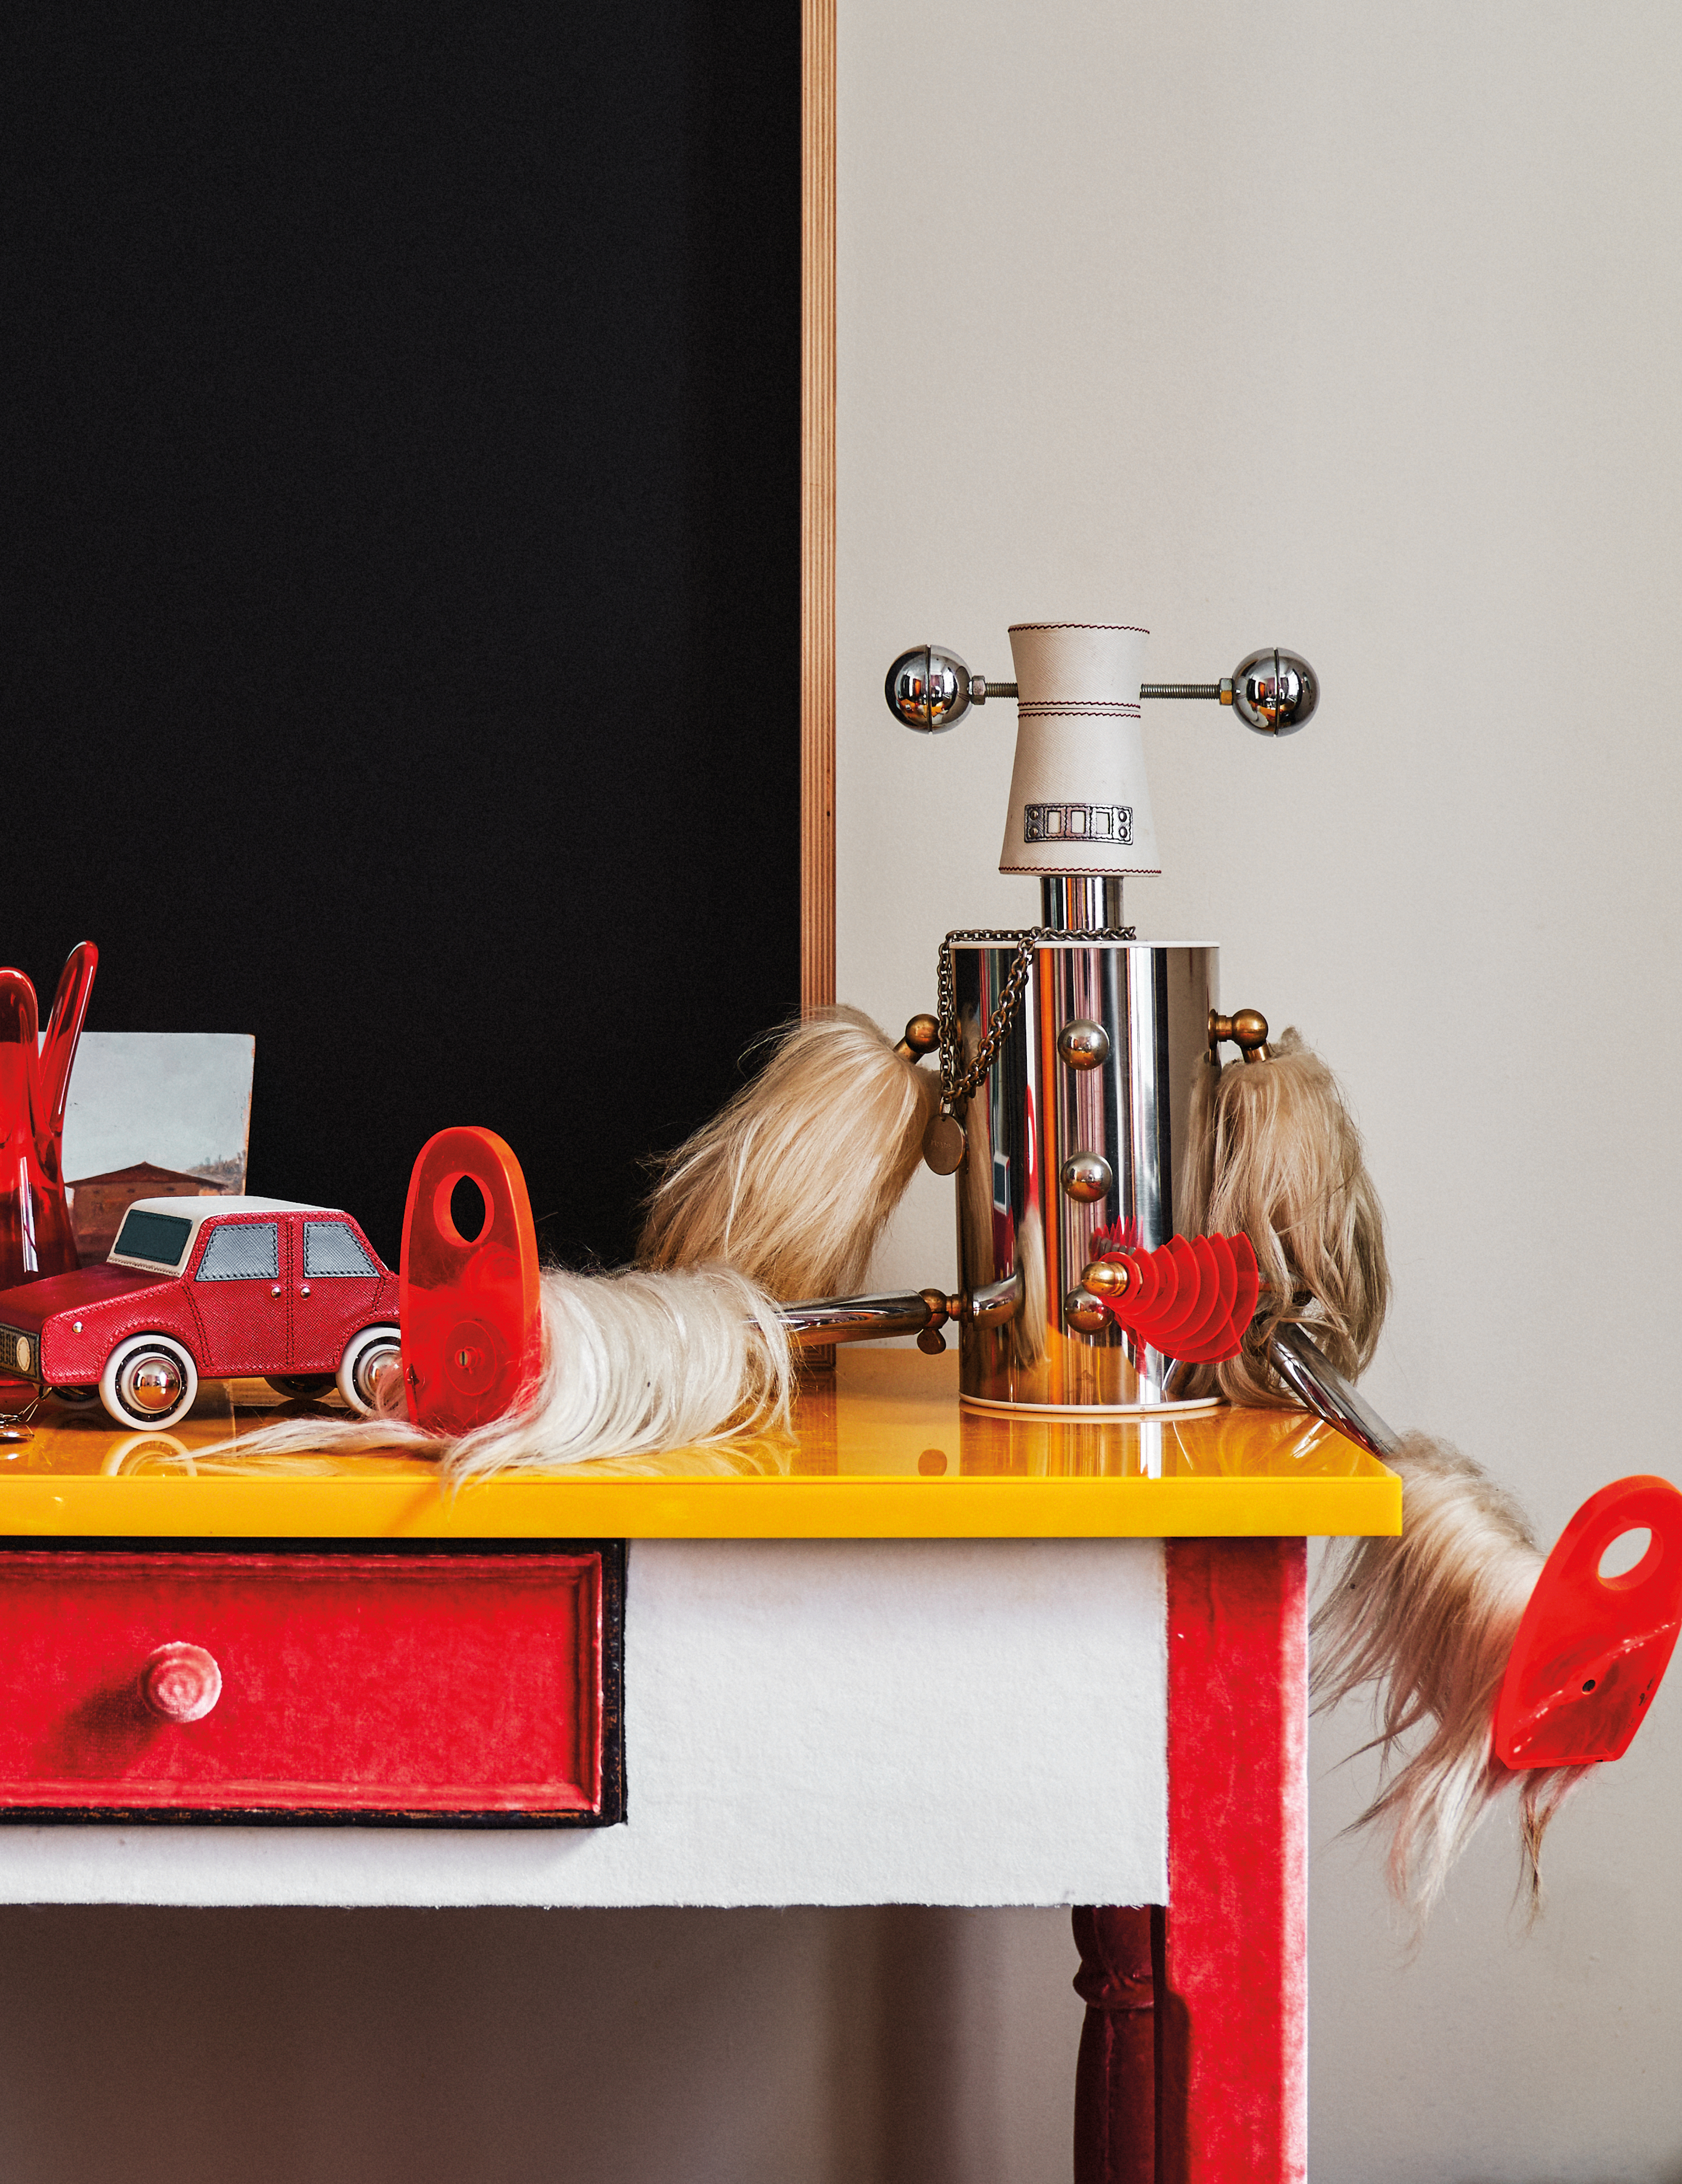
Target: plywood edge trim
x=817, y=504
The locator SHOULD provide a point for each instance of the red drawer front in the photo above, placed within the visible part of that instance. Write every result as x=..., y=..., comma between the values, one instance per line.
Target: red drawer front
x=424, y=1686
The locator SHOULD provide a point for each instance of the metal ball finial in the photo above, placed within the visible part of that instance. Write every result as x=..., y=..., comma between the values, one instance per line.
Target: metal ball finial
x=930, y=689
x=1275, y=692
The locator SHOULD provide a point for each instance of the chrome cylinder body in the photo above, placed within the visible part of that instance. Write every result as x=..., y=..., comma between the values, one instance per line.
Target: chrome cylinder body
x=1072, y=1143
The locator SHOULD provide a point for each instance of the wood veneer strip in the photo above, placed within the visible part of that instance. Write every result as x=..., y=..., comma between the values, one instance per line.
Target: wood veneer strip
x=817, y=504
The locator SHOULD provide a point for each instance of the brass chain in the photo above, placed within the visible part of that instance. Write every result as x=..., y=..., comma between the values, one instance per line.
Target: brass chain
x=956, y=1088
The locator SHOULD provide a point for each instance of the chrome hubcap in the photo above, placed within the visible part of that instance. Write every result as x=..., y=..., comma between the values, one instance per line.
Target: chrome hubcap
x=152, y=1383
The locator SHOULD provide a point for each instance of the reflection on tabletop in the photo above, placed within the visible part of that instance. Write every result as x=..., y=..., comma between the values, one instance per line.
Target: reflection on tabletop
x=883, y=1413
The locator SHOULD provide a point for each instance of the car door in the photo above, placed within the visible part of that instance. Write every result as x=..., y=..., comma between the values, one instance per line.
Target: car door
x=337, y=1290
x=241, y=1286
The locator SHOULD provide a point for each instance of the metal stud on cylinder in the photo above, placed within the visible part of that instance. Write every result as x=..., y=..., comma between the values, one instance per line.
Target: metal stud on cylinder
x=1084, y=1313
x=1083, y=1045
x=1088, y=1177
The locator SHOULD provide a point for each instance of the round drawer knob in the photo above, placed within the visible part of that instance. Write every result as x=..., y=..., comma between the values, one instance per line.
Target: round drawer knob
x=1088, y=1177
x=181, y=1682
x=1082, y=1043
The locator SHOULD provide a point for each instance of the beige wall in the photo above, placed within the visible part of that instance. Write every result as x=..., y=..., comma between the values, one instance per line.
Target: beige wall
x=1353, y=328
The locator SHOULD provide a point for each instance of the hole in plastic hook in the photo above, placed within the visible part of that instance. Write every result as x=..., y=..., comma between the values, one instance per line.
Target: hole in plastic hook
x=1624, y=1559
x=460, y=1209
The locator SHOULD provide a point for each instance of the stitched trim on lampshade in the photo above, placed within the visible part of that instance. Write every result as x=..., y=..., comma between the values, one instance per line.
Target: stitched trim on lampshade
x=1075, y=709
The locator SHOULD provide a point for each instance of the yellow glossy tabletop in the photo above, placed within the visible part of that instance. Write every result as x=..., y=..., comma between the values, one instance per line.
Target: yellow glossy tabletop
x=883, y=1450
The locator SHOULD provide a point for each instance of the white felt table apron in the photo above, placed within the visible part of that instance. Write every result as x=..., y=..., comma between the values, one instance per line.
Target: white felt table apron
x=806, y=1722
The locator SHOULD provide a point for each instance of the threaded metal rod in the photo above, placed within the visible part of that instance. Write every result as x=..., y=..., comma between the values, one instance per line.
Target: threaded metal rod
x=985, y=688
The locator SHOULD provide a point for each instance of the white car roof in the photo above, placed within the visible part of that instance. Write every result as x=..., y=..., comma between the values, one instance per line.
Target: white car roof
x=206, y=1206
x=210, y=1201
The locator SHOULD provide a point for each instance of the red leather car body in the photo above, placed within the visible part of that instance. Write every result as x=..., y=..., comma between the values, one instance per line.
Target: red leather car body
x=263, y=1286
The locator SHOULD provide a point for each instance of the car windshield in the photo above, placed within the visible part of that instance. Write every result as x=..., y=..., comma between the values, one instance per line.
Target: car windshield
x=159, y=1238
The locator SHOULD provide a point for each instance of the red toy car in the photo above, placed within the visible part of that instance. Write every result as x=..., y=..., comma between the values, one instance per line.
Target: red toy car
x=206, y=1288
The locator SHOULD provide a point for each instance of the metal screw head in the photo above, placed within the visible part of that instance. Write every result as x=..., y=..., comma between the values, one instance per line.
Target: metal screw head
x=1084, y=1313
x=1082, y=1043
x=927, y=688
x=1275, y=692
x=1088, y=1177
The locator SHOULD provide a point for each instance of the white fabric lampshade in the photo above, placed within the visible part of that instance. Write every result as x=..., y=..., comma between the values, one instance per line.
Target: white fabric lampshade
x=1080, y=804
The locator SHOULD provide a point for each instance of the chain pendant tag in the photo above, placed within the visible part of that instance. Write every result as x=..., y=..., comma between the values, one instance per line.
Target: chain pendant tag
x=944, y=1143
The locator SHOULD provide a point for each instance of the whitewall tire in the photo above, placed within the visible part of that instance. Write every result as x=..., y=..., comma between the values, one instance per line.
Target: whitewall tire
x=368, y=1355
x=149, y=1380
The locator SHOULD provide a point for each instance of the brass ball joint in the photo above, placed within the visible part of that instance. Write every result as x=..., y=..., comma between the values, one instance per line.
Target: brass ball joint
x=1273, y=692
x=1246, y=1030
x=922, y=1036
x=941, y=1308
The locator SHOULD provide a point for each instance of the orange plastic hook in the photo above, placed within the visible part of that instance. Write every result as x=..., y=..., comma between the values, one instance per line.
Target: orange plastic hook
x=1591, y=1650
x=470, y=1307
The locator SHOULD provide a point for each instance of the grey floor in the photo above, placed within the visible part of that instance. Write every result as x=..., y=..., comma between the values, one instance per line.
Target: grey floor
x=308, y=2047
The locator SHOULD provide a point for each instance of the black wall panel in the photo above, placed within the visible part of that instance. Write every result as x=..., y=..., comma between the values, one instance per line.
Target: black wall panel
x=399, y=639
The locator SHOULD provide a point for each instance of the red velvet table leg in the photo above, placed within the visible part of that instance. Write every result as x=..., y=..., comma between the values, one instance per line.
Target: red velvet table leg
x=1116, y=2077
x=1232, y=2002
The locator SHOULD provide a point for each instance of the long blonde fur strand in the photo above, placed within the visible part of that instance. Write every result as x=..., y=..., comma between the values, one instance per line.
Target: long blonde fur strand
x=634, y=1362
x=794, y=1182
x=1274, y=1153
x=1428, y=1619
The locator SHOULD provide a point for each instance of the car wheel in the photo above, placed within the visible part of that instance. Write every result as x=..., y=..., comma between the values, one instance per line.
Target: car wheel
x=298, y=1387
x=149, y=1380
x=368, y=1356
x=75, y=1395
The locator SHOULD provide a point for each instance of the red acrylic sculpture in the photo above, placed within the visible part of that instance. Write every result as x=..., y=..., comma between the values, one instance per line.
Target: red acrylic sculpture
x=1591, y=1650
x=1192, y=1298
x=470, y=1308
x=35, y=1234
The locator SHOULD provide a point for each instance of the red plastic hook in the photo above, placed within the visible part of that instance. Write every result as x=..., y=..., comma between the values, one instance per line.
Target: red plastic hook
x=1591, y=1650
x=470, y=1308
